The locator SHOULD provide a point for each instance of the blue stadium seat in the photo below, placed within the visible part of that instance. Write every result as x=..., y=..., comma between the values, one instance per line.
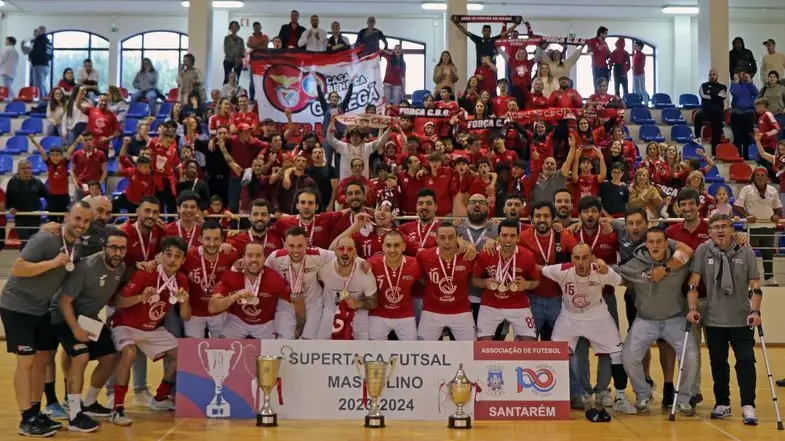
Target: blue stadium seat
x=117, y=144
x=633, y=100
x=649, y=133
x=713, y=176
x=154, y=127
x=641, y=116
x=681, y=133
x=662, y=101
x=139, y=110
x=419, y=96
x=38, y=164
x=14, y=109
x=31, y=126
x=752, y=152
x=6, y=164
x=16, y=145
x=121, y=186
x=689, y=101
x=672, y=116
x=5, y=125
x=50, y=142
x=717, y=185
x=689, y=150
x=129, y=127
x=164, y=110
x=111, y=166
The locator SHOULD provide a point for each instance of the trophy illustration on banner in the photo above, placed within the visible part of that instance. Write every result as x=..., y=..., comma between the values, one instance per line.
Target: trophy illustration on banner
x=376, y=376
x=267, y=368
x=217, y=365
x=460, y=390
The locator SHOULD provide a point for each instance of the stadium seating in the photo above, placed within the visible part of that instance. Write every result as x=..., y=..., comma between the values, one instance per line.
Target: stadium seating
x=713, y=175
x=672, y=116
x=6, y=164
x=139, y=110
x=153, y=131
x=641, y=116
x=5, y=125
x=633, y=100
x=649, y=133
x=121, y=186
x=717, y=185
x=38, y=164
x=14, y=109
x=28, y=94
x=662, y=101
x=16, y=145
x=124, y=93
x=689, y=101
x=164, y=110
x=173, y=95
x=111, y=166
x=419, y=96
x=690, y=150
x=728, y=153
x=50, y=142
x=740, y=172
x=4, y=93
x=31, y=126
x=129, y=127
x=681, y=133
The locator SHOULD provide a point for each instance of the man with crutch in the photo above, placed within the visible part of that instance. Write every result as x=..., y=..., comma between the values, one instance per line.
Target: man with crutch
x=733, y=297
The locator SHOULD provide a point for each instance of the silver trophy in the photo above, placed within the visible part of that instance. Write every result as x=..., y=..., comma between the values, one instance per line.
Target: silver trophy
x=376, y=376
x=218, y=364
x=267, y=368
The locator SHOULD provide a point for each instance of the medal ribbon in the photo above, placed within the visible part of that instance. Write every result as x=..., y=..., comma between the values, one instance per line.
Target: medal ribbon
x=145, y=248
x=190, y=234
x=208, y=282
x=444, y=271
x=596, y=238
x=296, y=282
x=68, y=253
x=387, y=273
x=163, y=283
x=427, y=232
x=550, y=247
x=313, y=228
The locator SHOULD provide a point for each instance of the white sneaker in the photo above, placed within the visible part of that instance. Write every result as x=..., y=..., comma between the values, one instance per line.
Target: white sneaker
x=603, y=399
x=622, y=405
x=110, y=401
x=166, y=404
x=720, y=412
x=770, y=282
x=749, y=416
x=142, y=398
x=643, y=405
x=120, y=418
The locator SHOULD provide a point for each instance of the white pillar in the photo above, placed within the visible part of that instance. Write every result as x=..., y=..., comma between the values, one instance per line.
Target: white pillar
x=713, y=44
x=456, y=43
x=682, y=80
x=200, y=23
x=219, y=30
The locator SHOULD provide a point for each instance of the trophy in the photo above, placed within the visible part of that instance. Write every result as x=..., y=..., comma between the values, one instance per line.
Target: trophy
x=218, y=365
x=373, y=383
x=267, y=368
x=460, y=389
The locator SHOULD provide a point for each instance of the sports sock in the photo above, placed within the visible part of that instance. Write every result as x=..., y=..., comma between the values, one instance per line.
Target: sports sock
x=619, y=376
x=92, y=396
x=51, y=394
x=163, y=390
x=35, y=406
x=27, y=414
x=119, y=396
x=74, y=405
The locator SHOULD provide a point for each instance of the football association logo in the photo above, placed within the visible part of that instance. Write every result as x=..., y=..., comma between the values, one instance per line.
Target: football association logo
x=495, y=380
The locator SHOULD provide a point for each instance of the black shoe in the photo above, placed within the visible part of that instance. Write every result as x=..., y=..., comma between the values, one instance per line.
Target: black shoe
x=650, y=381
x=83, y=423
x=96, y=410
x=695, y=400
x=32, y=427
x=48, y=422
x=667, y=395
x=781, y=382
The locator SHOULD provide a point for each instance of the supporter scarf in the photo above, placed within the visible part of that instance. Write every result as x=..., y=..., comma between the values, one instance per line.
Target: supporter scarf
x=539, y=39
x=342, y=322
x=486, y=18
x=550, y=115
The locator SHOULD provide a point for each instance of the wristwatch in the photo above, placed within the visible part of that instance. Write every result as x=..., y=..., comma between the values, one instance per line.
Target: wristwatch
x=755, y=311
x=667, y=269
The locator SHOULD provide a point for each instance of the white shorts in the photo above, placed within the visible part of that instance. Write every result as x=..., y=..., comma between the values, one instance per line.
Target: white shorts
x=432, y=325
x=360, y=327
x=405, y=328
x=601, y=331
x=195, y=326
x=520, y=319
x=153, y=343
x=286, y=321
x=235, y=328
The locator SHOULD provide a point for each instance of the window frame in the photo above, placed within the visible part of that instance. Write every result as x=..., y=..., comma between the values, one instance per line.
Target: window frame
x=141, y=50
x=90, y=49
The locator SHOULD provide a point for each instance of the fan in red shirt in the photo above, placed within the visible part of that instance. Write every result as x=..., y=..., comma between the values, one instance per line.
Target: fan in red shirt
x=585, y=182
x=601, y=98
x=598, y=48
x=422, y=232
x=244, y=115
x=57, y=175
x=638, y=59
x=250, y=297
x=411, y=182
x=693, y=230
x=500, y=153
x=259, y=231
x=357, y=167
x=486, y=74
x=140, y=182
x=439, y=179
x=204, y=265
x=619, y=60
x=222, y=118
x=768, y=127
x=317, y=226
x=101, y=122
x=659, y=172
x=141, y=306
x=500, y=103
x=395, y=277
x=484, y=183
x=565, y=96
x=163, y=153
x=505, y=276
x=87, y=164
x=446, y=298
x=243, y=147
x=187, y=226
x=535, y=99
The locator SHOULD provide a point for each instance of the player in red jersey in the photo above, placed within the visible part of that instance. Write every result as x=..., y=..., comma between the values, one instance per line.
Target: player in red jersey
x=316, y=226
x=259, y=231
x=187, y=226
x=250, y=296
x=141, y=306
x=446, y=299
x=423, y=231
x=355, y=192
x=368, y=236
x=395, y=278
x=506, y=276
x=204, y=266
x=144, y=234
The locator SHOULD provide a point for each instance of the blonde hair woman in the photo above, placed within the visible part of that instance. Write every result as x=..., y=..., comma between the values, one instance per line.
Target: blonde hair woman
x=644, y=194
x=549, y=81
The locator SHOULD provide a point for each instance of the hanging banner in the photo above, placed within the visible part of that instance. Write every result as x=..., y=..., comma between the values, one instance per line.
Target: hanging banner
x=288, y=80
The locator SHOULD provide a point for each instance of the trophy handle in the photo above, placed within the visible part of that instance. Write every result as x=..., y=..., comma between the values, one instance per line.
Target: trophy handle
x=393, y=362
x=357, y=363
x=238, y=351
x=200, y=349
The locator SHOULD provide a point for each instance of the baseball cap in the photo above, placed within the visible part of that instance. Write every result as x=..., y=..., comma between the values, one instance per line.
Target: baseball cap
x=769, y=41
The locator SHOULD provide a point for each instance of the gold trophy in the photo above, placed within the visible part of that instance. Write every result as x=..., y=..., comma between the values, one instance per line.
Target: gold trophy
x=267, y=368
x=460, y=389
x=373, y=382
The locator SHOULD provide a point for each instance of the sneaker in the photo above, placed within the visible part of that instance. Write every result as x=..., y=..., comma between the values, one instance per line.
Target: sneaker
x=643, y=405
x=119, y=418
x=110, y=401
x=651, y=383
x=96, y=410
x=46, y=421
x=56, y=412
x=83, y=423
x=603, y=399
x=667, y=395
x=695, y=400
x=749, y=416
x=142, y=398
x=32, y=427
x=622, y=405
x=577, y=403
x=685, y=409
x=66, y=408
x=720, y=412
x=166, y=404
x=781, y=382
x=770, y=282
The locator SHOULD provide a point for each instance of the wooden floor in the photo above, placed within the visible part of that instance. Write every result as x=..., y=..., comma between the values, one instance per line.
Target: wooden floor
x=150, y=426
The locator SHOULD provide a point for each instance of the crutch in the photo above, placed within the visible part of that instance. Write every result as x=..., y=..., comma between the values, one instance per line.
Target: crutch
x=771, y=382
x=672, y=416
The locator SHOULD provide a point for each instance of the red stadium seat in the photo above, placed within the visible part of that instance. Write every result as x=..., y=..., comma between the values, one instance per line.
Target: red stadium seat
x=728, y=153
x=173, y=96
x=124, y=93
x=740, y=172
x=4, y=93
x=29, y=94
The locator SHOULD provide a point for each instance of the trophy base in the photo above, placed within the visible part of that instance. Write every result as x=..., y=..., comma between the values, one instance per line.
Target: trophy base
x=218, y=411
x=266, y=420
x=459, y=422
x=374, y=422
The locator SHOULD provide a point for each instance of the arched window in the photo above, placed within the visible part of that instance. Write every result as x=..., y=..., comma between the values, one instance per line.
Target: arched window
x=71, y=48
x=164, y=48
x=584, y=82
x=413, y=55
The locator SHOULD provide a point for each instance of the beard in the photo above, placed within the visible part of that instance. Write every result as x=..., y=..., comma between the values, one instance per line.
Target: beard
x=477, y=218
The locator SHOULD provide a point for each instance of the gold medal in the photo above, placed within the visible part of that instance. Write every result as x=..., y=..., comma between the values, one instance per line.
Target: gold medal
x=502, y=288
x=513, y=287
x=493, y=285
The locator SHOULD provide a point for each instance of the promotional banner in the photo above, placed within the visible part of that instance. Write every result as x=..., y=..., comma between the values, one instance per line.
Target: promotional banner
x=320, y=379
x=288, y=80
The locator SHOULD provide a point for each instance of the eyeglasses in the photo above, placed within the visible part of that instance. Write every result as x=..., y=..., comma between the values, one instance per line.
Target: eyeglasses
x=478, y=202
x=720, y=227
x=344, y=249
x=116, y=248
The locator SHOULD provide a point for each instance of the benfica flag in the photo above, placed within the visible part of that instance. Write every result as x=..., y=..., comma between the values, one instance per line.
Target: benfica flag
x=288, y=79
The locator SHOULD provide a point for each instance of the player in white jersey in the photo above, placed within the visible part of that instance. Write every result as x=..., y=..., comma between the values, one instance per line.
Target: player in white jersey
x=585, y=314
x=299, y=265
x=349, y=293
